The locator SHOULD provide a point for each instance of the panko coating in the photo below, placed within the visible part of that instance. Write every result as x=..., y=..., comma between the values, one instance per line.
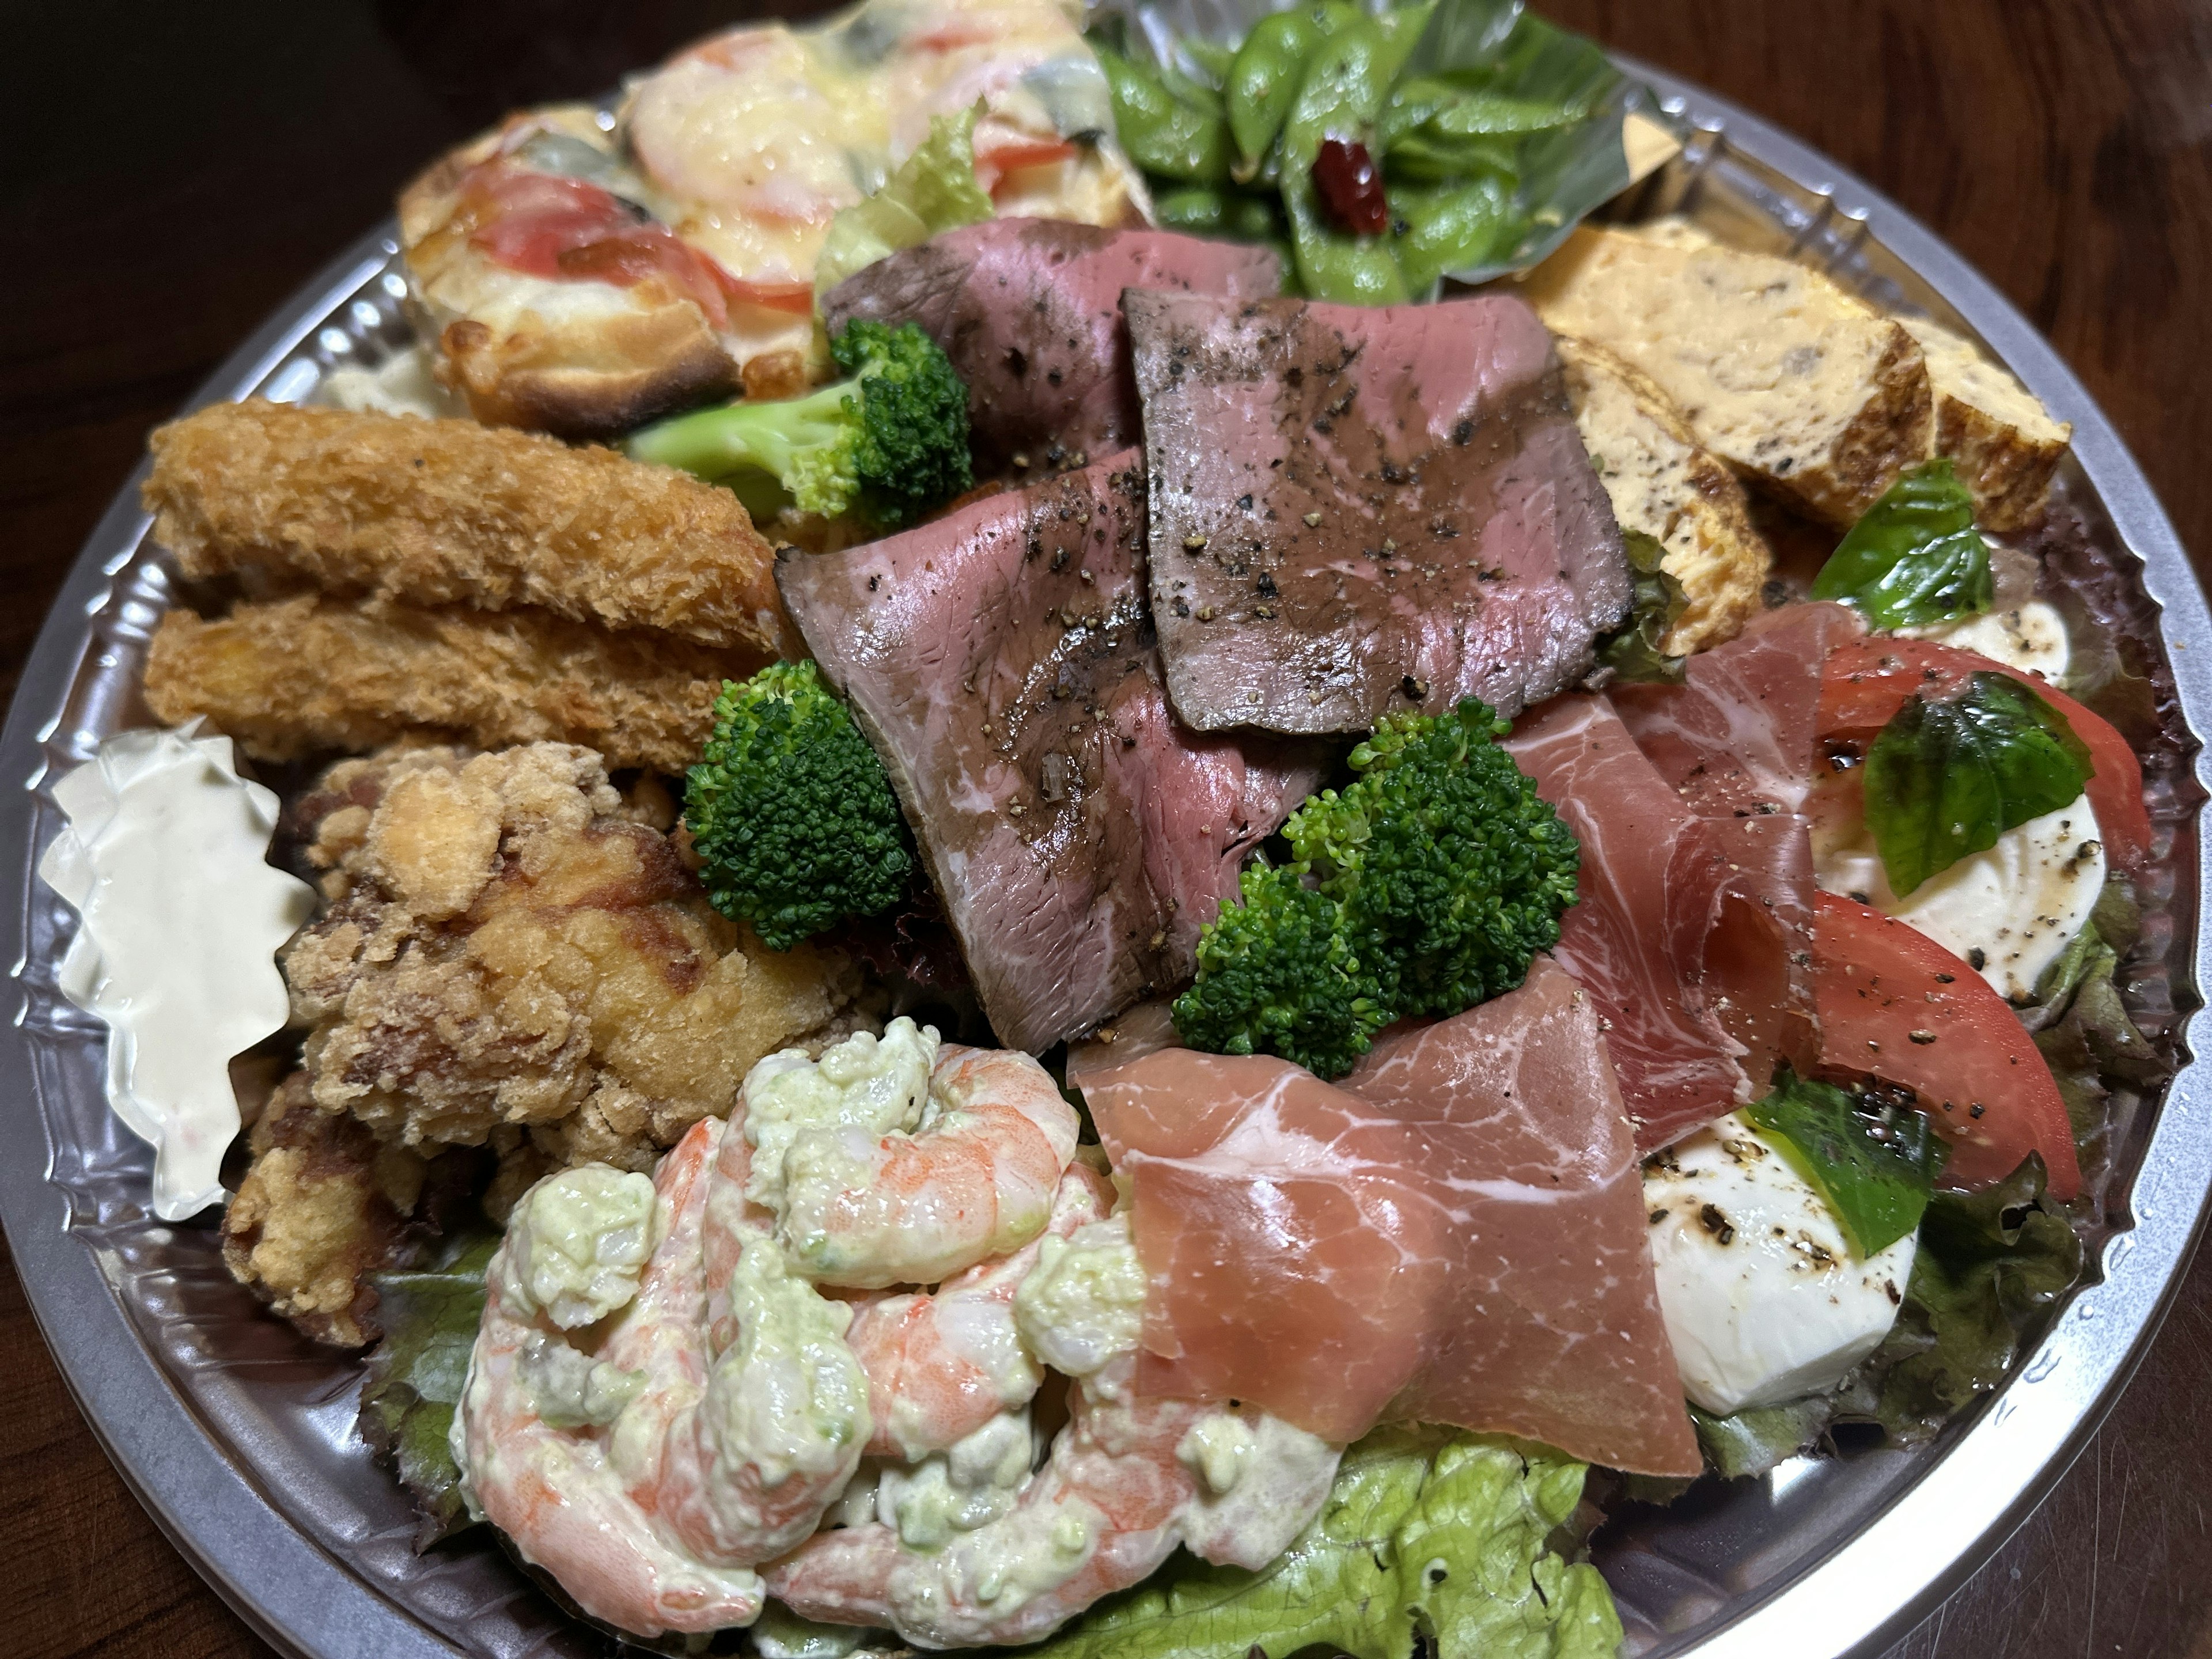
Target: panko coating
x=449, y=512
x=293, y=678
x=510, y=946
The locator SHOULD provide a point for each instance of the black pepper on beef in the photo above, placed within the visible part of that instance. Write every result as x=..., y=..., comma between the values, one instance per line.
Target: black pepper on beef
x=1030, y=312
x=1002, y=661
x=1356, y=510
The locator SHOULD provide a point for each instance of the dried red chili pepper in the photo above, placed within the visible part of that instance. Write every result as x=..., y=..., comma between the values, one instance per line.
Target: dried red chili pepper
x=1350, y=187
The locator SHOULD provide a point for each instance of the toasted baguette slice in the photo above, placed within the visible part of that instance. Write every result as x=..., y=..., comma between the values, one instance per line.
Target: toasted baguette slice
x=1779, y=371
x=1665, y=484
x=296, y=677
x=2003, y=442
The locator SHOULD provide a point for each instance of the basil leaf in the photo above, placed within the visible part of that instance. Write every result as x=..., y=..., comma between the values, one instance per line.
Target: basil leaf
x=1944, y=779
x=1915, y=557
x=1633, y=654
x=1875, y=1169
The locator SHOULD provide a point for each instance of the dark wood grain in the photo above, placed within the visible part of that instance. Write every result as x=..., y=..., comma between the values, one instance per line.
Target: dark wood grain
x=171, y=172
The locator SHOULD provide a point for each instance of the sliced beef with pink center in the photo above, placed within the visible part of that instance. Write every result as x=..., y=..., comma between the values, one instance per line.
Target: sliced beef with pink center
x=1002, y=662
x=1357, y=509
x=1030, y=312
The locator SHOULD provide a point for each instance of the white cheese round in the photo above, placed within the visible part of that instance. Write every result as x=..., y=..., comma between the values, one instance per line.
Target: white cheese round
x=2031, y=638
x=1762, y=1298
x=2008, y=911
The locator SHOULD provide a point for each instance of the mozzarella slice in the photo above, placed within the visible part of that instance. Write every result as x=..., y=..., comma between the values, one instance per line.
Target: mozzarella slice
x=2031, y=638
x=2009, y=910
x=1762, y=1298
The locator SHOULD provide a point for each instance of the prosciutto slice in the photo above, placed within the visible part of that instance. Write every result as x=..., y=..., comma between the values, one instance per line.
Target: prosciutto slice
x=1655, y=891
x=1454, y=1235
x=1736, y=741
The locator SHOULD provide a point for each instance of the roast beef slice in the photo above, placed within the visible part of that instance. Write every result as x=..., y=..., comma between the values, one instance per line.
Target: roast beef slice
x=1030, y=312
x=1002, y=661
x=1356, y=510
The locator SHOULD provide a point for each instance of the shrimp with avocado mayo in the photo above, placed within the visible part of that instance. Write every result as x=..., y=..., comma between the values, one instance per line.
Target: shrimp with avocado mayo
x=665, y=1412
x=1127, y=1480
x=898, y=1161
x=651, y=1471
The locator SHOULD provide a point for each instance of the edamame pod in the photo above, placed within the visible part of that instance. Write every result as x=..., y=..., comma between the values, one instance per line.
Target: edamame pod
x=1346, y=83
x=1204, y=212
x=1168, y=123
x=1263, y=79
x=1451, y=228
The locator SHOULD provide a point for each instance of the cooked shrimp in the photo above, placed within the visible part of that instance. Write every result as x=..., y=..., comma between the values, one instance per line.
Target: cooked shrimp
x=553, y=1490
x=940, y=1367
x=746, y=1470
x=1125, y=1484
x=1128, y=1481
x=975, y=1180
x=651, y=1477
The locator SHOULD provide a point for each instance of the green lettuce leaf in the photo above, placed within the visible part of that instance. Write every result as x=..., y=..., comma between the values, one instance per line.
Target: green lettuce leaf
x=1944, y=779
x=1989, y=1264
x=1875, y=1171
x=2082, y=1026
x=934, y=190
x=414, y=1376
x=1434, y=1538
x=1752, y=1443
x=1915, y=557
x=1633, y=654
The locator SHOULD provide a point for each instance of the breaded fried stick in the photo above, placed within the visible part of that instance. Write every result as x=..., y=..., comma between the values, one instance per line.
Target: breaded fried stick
x=449, y=512
x=291, y=678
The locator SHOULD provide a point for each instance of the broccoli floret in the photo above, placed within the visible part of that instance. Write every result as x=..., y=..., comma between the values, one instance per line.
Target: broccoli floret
x=793, y=817
x=886, y=443
x=1425, y=886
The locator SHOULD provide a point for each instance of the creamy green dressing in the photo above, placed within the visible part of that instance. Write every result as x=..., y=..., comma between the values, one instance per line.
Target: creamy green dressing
x=968, y=1486
x=579, y=1240
x=1083, y=1304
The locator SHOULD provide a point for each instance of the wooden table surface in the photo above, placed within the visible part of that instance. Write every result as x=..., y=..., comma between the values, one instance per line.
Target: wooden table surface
x=172, y=172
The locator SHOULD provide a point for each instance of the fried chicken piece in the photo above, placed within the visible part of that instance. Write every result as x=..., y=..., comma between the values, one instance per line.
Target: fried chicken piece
x=293, y=678
x=508, y=944
x=448, y=512
x=324, y=1204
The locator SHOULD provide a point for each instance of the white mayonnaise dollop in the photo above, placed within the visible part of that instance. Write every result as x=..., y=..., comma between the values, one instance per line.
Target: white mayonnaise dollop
x=166, y=859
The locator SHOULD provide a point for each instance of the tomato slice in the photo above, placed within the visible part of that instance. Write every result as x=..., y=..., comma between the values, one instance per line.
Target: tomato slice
x=797, y=298
x=1866, y=680
x=569, y=229
x=1896, y=1004
x=1000, y=151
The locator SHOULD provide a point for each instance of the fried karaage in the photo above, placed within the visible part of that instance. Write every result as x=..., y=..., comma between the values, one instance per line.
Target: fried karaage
x=508, y=944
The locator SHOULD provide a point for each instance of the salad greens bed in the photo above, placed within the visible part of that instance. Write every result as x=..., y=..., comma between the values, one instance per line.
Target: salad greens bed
x=1379, y=150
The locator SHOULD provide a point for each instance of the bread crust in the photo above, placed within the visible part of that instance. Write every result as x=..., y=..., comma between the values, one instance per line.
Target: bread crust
x=520, y=350
x=1664, y=483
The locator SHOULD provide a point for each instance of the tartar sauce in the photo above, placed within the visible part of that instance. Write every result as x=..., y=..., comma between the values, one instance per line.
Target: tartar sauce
x=166, y=859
